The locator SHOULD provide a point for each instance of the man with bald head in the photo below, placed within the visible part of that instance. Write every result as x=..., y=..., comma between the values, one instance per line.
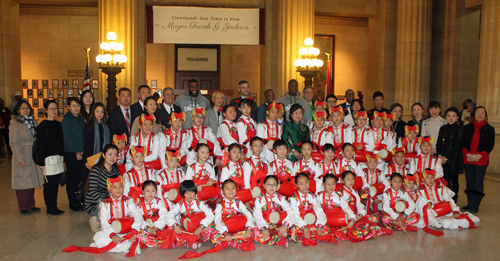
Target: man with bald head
x=167, y=107
x=214, y=117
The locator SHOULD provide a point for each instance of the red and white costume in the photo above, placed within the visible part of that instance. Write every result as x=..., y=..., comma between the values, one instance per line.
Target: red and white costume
x=321, y=137
x=267, y=131
x=228, y=133
x=298, y=202
x=335, y=203
x=382, y=140
x=324, y=169
x=392, y=167
x=228, y=208
x=195, y=135
x=169, y=179
x=363, y=136
x=233, y=171
x=176, y=141
x=154, y=210
x=200, y=173
x=422, y=162
x=341, y=134
x=254, y=169
x=151, y=143
x=410, y=146
x=261, y=203
x=134, y=178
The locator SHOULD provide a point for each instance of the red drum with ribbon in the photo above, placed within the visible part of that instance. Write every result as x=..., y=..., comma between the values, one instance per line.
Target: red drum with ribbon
x=337, y=219
x=400, y=206
x=174, y=195
x=358, y=183
x=385, y=155
x=193, y=222
x=377, y=188
x=182, y=162
x=287, y=189
x=122, y=225
x=155, y=164
x=274, y=217
x=243, y=195
x=207, y=192
x=257, y=191
x=442, y=209
x=312, y=185
x=135, y=192
x=339, y=186
x=235, y=223
x=310, y=218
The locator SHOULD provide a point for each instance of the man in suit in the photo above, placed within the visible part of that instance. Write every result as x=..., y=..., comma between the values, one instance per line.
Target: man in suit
x=138, y=107
x=120, y=118
x=244, y=89
x=261, y=111
x=349, y=97
x=213, y=116
x=163, y=113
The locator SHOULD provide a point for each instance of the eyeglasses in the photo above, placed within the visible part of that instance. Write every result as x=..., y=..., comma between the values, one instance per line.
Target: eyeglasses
x=272, y=185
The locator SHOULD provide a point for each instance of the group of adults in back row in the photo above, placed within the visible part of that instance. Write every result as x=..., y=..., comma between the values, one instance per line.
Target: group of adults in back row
x=463, y=139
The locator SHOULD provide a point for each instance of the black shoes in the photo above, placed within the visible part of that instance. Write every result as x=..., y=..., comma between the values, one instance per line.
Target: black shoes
x=75, y=208
x=55, y=212
x=465, y=209
x=25, y=212
x=35, y=209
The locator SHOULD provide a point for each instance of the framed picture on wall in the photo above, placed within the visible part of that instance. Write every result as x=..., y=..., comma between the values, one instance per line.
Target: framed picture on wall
x=95, y=84
x=60, y=93
x=75, y=84
x=39, y=94
x=41, y=113
x=80, y=93
x=65, y=83
x=65, y=102
x=34, y=84
x=24, y=84
x=45, y=84
x=55, y=84
x=60, y=112
x=50, y=93
x=153, y=84
x=34, y=102
x=29, y=93
x=70, y=93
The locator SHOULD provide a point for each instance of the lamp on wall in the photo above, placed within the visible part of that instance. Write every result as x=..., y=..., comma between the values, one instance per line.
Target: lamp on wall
x=308, y=65
x=111, y=62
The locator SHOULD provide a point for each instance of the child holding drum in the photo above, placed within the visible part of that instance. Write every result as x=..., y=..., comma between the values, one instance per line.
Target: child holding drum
x=306, y=164
x=399, y=207
x=375, y=182
x=425, y=160
x=273, y=215
x=255, y=169
x=234, y=171
x=138, y=174
x=326, y=166
x=170, y=180
x=153, y=212
x=191, y=217
x=247, y=127
x=309, y=216
x=233, y=221
x=203, y=175
x=146, y=138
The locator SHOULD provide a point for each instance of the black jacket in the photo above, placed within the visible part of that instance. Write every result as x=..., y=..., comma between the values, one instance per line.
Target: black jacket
x=117, y=124
x=449, y=142
x=162, y=115
x=486, y=137
x=50, y=142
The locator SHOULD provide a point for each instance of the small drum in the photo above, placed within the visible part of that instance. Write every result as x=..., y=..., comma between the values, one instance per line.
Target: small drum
x=257, y=191
x=155, y=164
x=360, y=156
x=337, y=219
x=287, y=189
x=193, y=222
x=207, y=192
x=377, y=188
x=442, y=209
x=312, y=186
x=152, y=220
x=310, y=218
x=400, y=206
x=174, y=195
x=277, y=217
x=235, y=223
x=243, y=195
x=358, y=183
x=270, y=144
x=317, y=156
x=385, y=155
x=182, y=162
x=122, y=169
x=123, y=225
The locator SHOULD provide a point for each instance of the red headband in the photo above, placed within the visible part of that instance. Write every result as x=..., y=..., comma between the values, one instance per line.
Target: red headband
x=425, y=139
x=137, y=149
x=371, y=156
x=199, y=111
x=389, y=116
x=117, y=137
x=409, y=128
x=412, y=178
x=320, y=114
x=144, y=118
x=319, y=103
x=179, y=115
x=378, y=114
x=274, y=104
x=361, y=114
x=336, y=109
x=111, y=181
x=397, y=150
x=428, y=172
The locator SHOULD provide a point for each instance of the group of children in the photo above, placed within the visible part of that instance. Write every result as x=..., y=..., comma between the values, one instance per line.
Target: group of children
x=352, y=183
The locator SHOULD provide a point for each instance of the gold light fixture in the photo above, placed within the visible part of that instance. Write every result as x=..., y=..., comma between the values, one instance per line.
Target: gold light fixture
x=308, y=65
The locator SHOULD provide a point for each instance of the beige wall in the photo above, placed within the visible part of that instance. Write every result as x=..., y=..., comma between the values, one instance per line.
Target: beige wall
x=351, y=53
x=53, y=44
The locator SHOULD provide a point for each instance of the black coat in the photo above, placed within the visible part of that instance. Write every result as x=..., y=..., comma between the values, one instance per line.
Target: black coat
x=163, y=117
x=117, y=124
x=486, y=137
x=449, y=145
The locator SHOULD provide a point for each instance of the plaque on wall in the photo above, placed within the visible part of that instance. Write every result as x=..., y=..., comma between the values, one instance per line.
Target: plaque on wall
x=197, y=59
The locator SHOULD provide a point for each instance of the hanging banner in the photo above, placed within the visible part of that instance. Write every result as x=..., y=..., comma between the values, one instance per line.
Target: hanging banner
x=205, y=25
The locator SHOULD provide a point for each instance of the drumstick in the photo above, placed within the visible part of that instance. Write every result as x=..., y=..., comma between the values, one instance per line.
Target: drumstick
x=402, y=227
x=186, y=232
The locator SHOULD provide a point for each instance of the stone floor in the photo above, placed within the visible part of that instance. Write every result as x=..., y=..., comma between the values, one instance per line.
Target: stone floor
x=42, y=237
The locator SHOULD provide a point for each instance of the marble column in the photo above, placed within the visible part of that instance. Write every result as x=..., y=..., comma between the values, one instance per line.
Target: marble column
x=488, y=86
x=10, y=50
x=296, y=23
x=127, y=19
x=413, y=52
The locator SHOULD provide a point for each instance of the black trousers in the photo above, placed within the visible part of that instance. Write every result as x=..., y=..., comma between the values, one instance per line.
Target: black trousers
x=451, y=173
x=474, y=176
x=74, y=174
x=50, y=191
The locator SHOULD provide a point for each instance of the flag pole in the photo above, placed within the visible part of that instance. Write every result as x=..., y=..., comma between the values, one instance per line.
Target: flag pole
x=328, y=74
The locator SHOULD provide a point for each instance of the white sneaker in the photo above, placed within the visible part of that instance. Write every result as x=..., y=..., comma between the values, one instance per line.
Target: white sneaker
x=195, y=246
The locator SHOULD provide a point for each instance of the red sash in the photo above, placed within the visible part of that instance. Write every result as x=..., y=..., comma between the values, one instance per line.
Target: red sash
x=195, y=133
x=154, y=215
x=269, y=135
x=169, y=133
x=139, y=140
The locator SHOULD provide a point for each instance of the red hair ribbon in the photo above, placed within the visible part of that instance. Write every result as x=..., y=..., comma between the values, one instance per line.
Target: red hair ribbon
x=413, y=178
x=144, y=118
x=378, y=114
x=138, y=149
x=319, y=103
x=275, y=105
x=199, y=111
x=117, y=137
x=237, y=101
x=409, y=128
x=176, y=154
x=361, y=114
x=426, y=172
x=111, y=181
x=425, y=139
x=250, y=98
x=371, y=156
x=179, y=115
x=389, y=116
x=336, y=109
x=320, y=114
x=397, y=150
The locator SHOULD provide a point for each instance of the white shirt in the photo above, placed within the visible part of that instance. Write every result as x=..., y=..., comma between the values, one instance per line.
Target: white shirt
x=296, y=203
x=275, y=199
x=168, y=108
x=155, y=205
x=174, y=216
x=232, y=207
x=198, y=173
x=397, y=195
x=334, y=200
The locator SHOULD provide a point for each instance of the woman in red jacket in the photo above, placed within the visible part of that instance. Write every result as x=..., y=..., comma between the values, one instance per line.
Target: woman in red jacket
x=478, y=141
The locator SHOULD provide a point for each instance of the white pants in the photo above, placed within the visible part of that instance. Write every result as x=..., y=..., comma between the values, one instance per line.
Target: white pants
x=447, y=223
x=102, y=239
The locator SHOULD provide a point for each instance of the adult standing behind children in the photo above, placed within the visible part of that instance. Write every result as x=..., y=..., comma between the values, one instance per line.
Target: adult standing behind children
x=192, y=99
